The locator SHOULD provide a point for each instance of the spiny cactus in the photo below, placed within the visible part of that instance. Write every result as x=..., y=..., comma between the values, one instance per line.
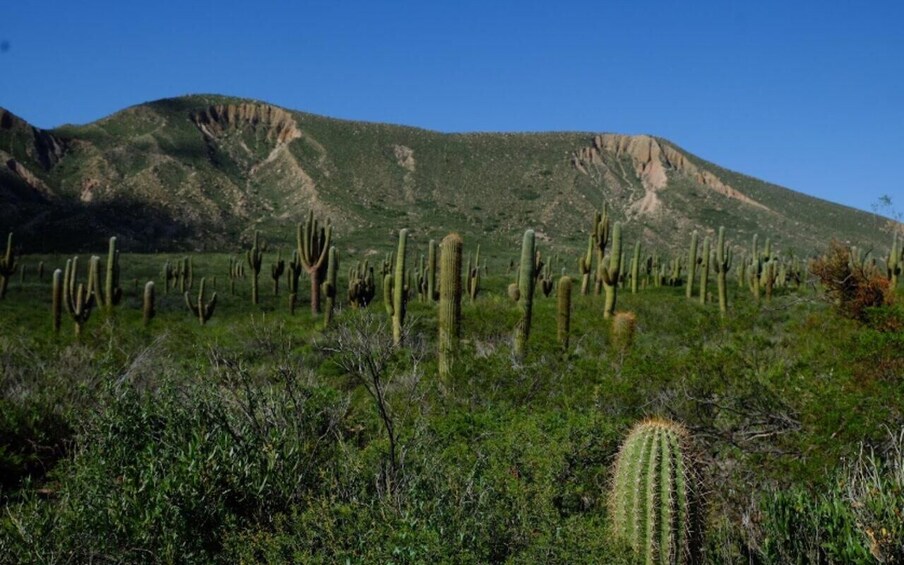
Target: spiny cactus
x=292, y=276
x=770, y=272
x=395, y=295
x=635, y=268
x=255, y=259
x=655, y=501
x=449, y=313
x=57, y=308
x=602, y=232
x=894, y=262
x=7, y=265
x=546, y=280
x=722, y=264
x=40, y=271
x=313, y=247
x=624, y=325
x=474, y=276
x=183, y=272
x=585, y=265
x=148, y=306
x=112, y=291
x=563, y=311
x=168, y=274
x=331, y=285
x=276, y=271
x=362, y=286
x=432, y=289
x=612, y=271
x=200, y=308
x=704, y=270
x=526, y=295
x=691, y=266
x=79, y=300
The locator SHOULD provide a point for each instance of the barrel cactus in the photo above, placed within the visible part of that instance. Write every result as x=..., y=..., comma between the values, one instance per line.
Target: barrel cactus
x=655, y=501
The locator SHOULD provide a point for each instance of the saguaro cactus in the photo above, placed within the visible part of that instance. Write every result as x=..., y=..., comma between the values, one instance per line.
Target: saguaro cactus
x=276, y=271
x=722, y=265
x=57, y=308
x=449, y=314
x=635, y=268
x=313, y=247
x=78, y=299
x=691, y=265
x=255, y=259
x=894, y=262
x=612, y=271
x=112, y=291
x=655, y=501
x=294, y=273
x=563, y=311
x=148, y=306
x=525, y=295
x=331, y=286
x=432, y=290
x=361, y=285
x=7, y=265
x=201, y=309
x=585, y=265
x=704, y=271
x=395, y=296
x=474, y=276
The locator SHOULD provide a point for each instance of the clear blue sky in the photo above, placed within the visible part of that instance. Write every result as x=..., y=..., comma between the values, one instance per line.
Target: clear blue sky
x=809, y=95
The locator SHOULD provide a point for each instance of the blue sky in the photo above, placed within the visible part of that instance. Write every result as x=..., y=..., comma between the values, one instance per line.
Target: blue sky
x=809, y=95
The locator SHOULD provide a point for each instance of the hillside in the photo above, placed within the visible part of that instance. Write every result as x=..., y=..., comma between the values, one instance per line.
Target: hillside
x=202, y=172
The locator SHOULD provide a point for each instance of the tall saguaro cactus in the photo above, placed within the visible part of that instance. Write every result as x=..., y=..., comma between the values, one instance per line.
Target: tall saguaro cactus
x=148, y=306
x=276, y=272
x=255, y=258
x=200, y=308
x=525, y=293
x=7, y=265
x=691, y=265
x=313, y=248
x=894, y=262
x=704, y=270
x=79, y=300
x=612, y=272
x=722, y=264
x=293, y=275
x=563, y=311
x=395, y=295
x=432, y=290
x=635, y=268
x=57, y=308
x=655, y=501
x=449, y=314
x=331, y=286
x=112, y=291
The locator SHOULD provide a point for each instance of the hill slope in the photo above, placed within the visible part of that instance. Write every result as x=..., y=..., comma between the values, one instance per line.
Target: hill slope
x=204, y=171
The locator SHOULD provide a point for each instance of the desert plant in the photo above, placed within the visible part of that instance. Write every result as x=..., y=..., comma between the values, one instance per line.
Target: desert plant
x=112, y=291
x=612, y=272
x=722, y=265
x=255, y=259
x=449, y=314
x=852, y=288
x=293, y=273
x=7, y=265
x=148, y=305
x=655, y=501
x=202, y=309
x=276, y=272
x=624, y=325
x=361, y=285
x=395, y=293
x=331, y=285
x=563, y=311
x=57, y=302
x=704, y=270
x=313, y=246
x=79, y=300
x=691, y=265
x=525, y=295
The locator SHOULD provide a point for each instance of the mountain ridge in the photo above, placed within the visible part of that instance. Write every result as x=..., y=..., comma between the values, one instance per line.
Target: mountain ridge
x=205, y=171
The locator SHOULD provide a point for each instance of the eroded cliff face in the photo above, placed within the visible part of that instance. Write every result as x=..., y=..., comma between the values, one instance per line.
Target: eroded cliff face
x=40, y=146
x=653, y=162
x=277, y=125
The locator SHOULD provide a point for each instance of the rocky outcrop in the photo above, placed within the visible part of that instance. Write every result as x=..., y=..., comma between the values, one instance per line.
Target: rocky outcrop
x=652, y=162
x=28, y=178
x=279, y=125
x=404, y=157
x=44, y=148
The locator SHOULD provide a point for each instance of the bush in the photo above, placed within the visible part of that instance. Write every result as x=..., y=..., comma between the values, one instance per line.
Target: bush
x=851, y=284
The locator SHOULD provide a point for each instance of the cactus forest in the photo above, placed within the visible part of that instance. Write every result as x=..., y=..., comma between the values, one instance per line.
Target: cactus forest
x=451, y=400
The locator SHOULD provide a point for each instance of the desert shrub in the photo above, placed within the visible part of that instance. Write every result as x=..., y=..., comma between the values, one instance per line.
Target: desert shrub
x=852, y=285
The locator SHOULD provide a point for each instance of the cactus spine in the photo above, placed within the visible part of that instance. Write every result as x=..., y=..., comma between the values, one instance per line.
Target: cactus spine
x=563, y=311
x=201, y=309
x=655, y=501
x=7, y=265
x=449, y=314
x=330, y=287
x=255, y=258
x=612, y=272
x=704, y=270
x=148, y=306
x=112, y=291
x=313, y=247
x=526, y=277
x=722, y=264
x=691, y=265
x=57, y=300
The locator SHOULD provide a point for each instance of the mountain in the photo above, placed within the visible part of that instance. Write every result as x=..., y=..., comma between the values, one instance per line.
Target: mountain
x=203, y=172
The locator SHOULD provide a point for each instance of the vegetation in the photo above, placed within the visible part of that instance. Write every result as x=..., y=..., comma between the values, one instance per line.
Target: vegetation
x=678, y=430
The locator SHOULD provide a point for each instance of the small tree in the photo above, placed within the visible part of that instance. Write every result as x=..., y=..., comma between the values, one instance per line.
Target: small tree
x=852, y=283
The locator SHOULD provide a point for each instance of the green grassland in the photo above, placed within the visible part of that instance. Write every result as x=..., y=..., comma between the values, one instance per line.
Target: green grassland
x=252, y=438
